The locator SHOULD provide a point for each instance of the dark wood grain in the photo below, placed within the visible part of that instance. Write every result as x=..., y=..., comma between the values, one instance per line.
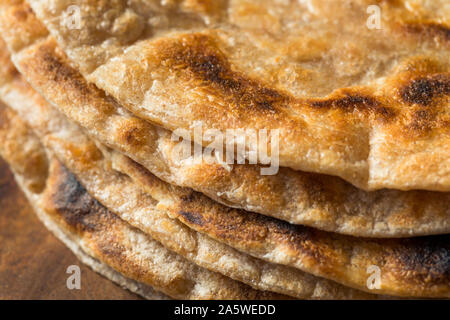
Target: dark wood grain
x=33, y=262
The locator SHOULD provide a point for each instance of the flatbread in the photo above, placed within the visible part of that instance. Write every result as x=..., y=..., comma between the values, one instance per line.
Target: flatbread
x=270, y=239
x=408, y=267
x=320, y=201
x=98, y=266
x=31, y=170
x=368, y=105
x=133, y=205
x=87, y=224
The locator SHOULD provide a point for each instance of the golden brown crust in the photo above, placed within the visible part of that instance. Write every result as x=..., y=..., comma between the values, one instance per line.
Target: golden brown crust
x=405, y=265
x=27, y=243
x=125, y=199
x=320, y=254
x=316, y=200
x=104, y=236
x=338, y=95
x=69, y=202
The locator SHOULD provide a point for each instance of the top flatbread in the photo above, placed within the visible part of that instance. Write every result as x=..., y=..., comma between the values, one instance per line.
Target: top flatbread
x=321, y=201
x=368, y=105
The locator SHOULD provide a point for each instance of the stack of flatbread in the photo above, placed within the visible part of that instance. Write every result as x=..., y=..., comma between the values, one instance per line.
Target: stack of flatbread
x=358, y=92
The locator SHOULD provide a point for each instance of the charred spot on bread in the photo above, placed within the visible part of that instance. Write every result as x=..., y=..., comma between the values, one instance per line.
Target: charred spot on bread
x=424, y=90
x=429, y=30
x=351, y=102
x=47, y=59
x=192, y=217
x=424, y=260
x=200, y=56
x=59, y=70
x=72, y=202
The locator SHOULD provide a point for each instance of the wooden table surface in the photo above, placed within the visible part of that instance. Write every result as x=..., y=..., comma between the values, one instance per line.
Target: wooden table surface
x=33, y=262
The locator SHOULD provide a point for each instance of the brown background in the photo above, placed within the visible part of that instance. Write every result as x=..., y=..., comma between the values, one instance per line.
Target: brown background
x=33, y=262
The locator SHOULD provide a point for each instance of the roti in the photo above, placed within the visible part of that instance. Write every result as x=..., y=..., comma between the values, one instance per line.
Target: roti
x=316, y=200
x=146, y=213
x=363, y=101
x=14, y=192
x=403, y=263
x=84, y=223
